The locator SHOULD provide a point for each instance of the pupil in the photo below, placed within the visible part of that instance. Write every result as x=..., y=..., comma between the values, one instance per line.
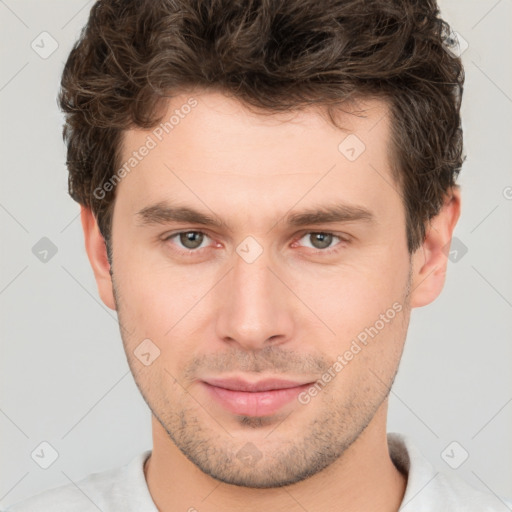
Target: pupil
x=324, y=239
x=187, y=239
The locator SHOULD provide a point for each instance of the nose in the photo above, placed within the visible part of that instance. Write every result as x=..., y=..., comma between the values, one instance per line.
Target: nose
x=256, y=309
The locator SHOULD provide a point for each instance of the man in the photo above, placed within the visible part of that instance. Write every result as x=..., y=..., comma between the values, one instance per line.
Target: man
x=267, y=188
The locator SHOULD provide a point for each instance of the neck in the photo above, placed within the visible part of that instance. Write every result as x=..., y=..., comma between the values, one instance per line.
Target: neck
x=364, y=478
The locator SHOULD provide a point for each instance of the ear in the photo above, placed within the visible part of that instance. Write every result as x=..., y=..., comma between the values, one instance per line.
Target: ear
x=97, y=253
x=430, y=260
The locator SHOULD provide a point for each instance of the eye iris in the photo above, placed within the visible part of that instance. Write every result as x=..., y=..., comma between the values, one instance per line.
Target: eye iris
x=324, y=238
x=187, y=239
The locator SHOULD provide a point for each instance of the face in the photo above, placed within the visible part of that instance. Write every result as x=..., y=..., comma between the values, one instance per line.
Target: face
x=272, y=332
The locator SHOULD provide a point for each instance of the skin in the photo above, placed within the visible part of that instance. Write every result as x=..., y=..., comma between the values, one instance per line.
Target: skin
x=290, y=313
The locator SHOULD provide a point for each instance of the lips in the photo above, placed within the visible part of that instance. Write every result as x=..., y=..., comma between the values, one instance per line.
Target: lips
x=262, y=385
x=260, y=398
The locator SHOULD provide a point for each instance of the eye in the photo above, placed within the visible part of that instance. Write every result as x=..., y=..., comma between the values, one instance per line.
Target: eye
x=190, y=240
x=321, y=241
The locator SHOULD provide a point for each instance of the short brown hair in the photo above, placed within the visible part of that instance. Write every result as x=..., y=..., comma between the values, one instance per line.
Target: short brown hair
x=274, y=55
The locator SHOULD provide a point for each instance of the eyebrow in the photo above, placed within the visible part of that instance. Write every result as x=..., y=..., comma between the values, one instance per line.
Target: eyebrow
x=163, y=213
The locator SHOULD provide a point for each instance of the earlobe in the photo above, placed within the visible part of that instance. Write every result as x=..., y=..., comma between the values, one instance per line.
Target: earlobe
x=430, y=261
x=97, y=253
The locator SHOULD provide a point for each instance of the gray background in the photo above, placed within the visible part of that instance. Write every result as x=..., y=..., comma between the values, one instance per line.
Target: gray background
x=64, y=376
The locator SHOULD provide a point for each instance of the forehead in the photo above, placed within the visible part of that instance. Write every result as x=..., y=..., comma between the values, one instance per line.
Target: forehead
x=214, y=123
x=210, y=150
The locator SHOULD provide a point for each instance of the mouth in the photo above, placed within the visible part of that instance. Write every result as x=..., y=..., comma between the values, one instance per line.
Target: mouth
x=257, y=399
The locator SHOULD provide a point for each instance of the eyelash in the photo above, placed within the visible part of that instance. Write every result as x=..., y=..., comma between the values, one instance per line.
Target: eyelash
x=192, y=252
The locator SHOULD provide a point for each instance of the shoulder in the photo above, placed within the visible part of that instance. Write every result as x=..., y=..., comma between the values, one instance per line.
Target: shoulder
x=106, y=490
x=429, y=489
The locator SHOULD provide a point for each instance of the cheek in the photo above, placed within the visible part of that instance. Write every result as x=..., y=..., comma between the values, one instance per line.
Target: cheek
x=160, y=303
x=147, y=283
x=368, y=351
x=355, y=297
x=367, y=313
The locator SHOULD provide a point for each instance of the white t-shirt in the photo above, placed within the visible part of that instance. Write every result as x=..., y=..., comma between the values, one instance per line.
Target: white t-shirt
x=124, y=489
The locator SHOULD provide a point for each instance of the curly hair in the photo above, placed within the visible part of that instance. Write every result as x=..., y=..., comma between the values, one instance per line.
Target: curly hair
x=273, y=56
